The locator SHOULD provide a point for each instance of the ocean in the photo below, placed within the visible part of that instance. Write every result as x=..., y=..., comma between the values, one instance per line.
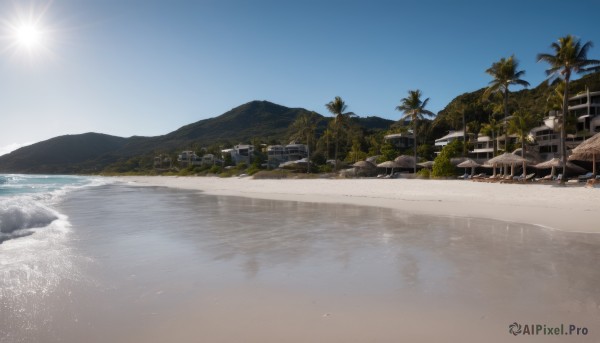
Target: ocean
x=86, y=259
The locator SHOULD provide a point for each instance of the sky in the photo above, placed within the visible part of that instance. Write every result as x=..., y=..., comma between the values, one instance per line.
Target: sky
x=148, y=67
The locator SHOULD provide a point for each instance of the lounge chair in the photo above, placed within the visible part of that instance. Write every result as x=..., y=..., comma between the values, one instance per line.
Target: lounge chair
x=585, y=177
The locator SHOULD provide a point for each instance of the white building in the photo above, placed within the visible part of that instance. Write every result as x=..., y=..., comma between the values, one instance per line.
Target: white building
x=586, y=107
x=189, y=158
x=278, y=154
x=242, y=153
x=401, y=140
x=483, y=149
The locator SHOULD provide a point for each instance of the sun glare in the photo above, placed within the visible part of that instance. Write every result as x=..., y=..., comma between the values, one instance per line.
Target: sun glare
x=25, y=34
x=28, y=36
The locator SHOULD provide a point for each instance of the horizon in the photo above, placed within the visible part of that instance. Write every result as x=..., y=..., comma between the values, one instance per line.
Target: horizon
x=147, y=68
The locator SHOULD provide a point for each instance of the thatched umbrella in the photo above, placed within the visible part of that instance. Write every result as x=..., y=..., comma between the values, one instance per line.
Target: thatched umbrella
x=556, y=162
x=427, y=164
x=405, y=161
x=389, y=164
x=588, y=150
x=364, y=167
x=531, y=156
x=364, y=164
x=469, y=163
x=372, y=159
x=506, y=159
x=455, y=161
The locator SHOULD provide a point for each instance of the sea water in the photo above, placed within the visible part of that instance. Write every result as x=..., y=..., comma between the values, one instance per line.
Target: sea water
x=100, y=261
x=34, y=247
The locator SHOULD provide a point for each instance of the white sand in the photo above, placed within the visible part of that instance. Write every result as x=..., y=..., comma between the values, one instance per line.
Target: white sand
x=563, y=208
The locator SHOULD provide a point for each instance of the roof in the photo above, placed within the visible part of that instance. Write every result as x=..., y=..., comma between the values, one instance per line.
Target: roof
x=451, y=134
x=541, y=128
x=399, y=135
x=588, y=149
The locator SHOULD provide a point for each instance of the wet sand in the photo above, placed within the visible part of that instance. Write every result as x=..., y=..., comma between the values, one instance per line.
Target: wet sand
x=572, y=208
x=153, y=264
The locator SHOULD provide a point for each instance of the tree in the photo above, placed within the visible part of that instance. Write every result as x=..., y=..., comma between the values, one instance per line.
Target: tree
x=304, y=127
x=442, y=167
x=338, y=107
x=414, y=108
x=570, y=56
x=521, y=123
x=491, y=129
x=356, y=153
x=505, y=74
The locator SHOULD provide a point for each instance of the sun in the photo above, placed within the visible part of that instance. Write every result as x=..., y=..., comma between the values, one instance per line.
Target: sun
x=28, y=36
x=25, y=33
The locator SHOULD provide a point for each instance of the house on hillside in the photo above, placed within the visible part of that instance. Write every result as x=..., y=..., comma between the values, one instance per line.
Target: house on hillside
x=403, y=140
x=242, y=153
x=163, y=162
x=586, y=107
x=189, y=158
x=278, y=154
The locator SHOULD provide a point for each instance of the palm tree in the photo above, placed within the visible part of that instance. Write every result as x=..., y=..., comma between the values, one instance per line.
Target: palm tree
x=338, y=107
x=414, y=108
x=505, y=74
x=304, y=127
x=555, y=99
x=491, y=129
x=327, y=134
x=569, y=57
x=521, y=123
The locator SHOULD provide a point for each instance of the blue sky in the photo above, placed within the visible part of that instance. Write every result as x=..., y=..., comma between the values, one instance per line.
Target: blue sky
x=148, y=67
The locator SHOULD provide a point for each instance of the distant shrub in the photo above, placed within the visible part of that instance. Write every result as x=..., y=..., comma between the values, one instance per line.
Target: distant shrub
x=326, y=168
x=318, y=158
x=424, y=173
x=253, y=169
x=442, y=166
x=215, y=169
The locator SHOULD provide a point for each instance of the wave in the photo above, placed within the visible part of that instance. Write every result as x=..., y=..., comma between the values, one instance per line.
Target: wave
x=28, y=200
x=18, y=216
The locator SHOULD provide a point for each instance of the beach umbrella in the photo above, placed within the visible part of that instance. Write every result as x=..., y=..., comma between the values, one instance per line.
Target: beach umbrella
x=427, y=164
x=405, y=161
x=364, y=165
x=588, y=150
x=364, y=168
x=508, y=159
x=389, y=164
x=455, y=161
x=530, y=156
x=469, y=163
x=372, y=159
x=556, y=162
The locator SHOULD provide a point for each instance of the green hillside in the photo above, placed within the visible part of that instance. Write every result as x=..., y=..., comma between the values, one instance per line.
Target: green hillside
x=92, y=152
x=88, y=152
x=533, y=100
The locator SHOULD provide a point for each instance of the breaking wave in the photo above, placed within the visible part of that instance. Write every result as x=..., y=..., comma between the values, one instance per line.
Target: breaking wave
x=19, y=216
x=26, y=201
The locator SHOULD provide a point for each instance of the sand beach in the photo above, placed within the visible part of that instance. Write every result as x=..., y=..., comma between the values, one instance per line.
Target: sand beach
x=571, y=208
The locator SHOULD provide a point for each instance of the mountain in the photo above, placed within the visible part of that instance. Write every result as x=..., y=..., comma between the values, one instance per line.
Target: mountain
x=239, y=125
x=63, y=154
x=93, y=152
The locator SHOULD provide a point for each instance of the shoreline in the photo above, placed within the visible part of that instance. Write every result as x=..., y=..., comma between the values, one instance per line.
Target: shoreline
x=571, y=209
